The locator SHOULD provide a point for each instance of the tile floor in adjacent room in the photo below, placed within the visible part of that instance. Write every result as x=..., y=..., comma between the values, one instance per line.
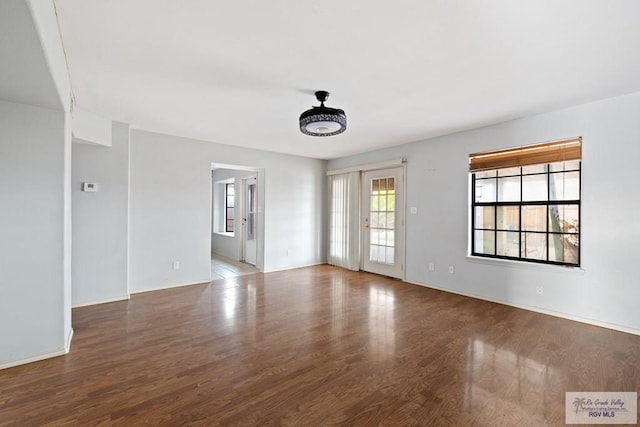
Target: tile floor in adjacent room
x=224, y=268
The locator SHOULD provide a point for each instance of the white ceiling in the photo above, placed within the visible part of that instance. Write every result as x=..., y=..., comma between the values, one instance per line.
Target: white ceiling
x=241, y=72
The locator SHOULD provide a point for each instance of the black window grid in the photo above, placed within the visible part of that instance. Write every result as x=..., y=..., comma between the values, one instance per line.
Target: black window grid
x=229, y=206
x=520, y=204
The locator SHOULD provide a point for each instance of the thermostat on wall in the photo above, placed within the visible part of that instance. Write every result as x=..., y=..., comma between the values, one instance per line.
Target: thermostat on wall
x=90, y=187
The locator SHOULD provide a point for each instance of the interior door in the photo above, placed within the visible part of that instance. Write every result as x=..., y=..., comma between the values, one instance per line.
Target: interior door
x=383, y=222
x=249, y=220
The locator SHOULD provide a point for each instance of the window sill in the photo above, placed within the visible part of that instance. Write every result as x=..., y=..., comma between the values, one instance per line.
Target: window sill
x=523, y=265
x=223, y=233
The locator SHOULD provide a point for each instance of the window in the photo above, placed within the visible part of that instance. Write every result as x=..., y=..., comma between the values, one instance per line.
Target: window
x=382, y=225
x=251, y=211
x=229, y=205
x=525, y=203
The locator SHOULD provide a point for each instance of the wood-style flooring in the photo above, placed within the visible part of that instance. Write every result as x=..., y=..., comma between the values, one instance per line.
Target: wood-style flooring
x=316, y=346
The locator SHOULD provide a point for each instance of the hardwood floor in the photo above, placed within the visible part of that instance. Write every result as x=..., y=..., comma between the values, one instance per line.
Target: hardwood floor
x=316, y=346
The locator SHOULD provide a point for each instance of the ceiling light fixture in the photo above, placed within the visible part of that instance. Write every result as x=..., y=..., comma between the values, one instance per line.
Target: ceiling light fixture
x=323, y=121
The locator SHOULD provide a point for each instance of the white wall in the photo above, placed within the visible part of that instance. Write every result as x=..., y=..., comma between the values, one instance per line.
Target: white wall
x=606, y=290
x=170, y=209
x=35, y=185
x=35, y=313
x=101, y=219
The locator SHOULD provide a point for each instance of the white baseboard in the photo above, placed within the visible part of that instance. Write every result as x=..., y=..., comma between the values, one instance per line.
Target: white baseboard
x=104, y=301
x=67, y=346
x=33, y=359
x=39, y=357
x=293, y=268
x=178, y=285
x=592, y=322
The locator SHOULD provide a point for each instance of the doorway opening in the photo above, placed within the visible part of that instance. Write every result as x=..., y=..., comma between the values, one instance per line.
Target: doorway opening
x=237, y=218
x=366, y=219
x=383, y=220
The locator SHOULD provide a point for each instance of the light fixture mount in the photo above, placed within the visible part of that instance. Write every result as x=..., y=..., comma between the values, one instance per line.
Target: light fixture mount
x=323, y=121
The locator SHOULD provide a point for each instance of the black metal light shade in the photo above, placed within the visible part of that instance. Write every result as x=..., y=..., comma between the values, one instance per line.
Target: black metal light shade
x=323, y=121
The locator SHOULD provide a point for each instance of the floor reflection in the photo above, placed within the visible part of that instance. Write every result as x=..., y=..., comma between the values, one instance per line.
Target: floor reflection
x=339, y=312
x=230, y=301
x=382, y=336
x=251, y=314
x=500, y=379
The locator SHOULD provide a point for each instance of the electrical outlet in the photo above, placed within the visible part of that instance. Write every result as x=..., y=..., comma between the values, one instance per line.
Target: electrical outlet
x=175, y=265
x=539, y=290
x=432, y=266
x=451, y=269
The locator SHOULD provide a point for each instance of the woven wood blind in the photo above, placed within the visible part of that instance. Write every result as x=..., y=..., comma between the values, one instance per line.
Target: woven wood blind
x=548, y=152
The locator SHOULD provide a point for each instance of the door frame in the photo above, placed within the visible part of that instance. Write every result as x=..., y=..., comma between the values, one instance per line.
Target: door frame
x=243, y=215
x=364, y=251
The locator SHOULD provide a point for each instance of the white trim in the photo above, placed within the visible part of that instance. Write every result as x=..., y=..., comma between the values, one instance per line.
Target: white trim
x=242, y=206
x=215, y=166
x=369, y=167
x=33, y=359
x=297, y=266
x=129, y=209
x=104, y=301
x=67, y=347
x=178, y=285
x=518, y=265
x=404, y=221
x=224, y=233
x=561, y=315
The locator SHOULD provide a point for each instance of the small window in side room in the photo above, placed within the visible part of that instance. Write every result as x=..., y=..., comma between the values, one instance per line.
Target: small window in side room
x=525, y=203
x=223, y=207
x=229, y=205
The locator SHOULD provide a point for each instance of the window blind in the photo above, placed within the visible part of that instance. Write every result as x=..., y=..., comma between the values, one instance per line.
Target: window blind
x=548, y=152
x=344, y=217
